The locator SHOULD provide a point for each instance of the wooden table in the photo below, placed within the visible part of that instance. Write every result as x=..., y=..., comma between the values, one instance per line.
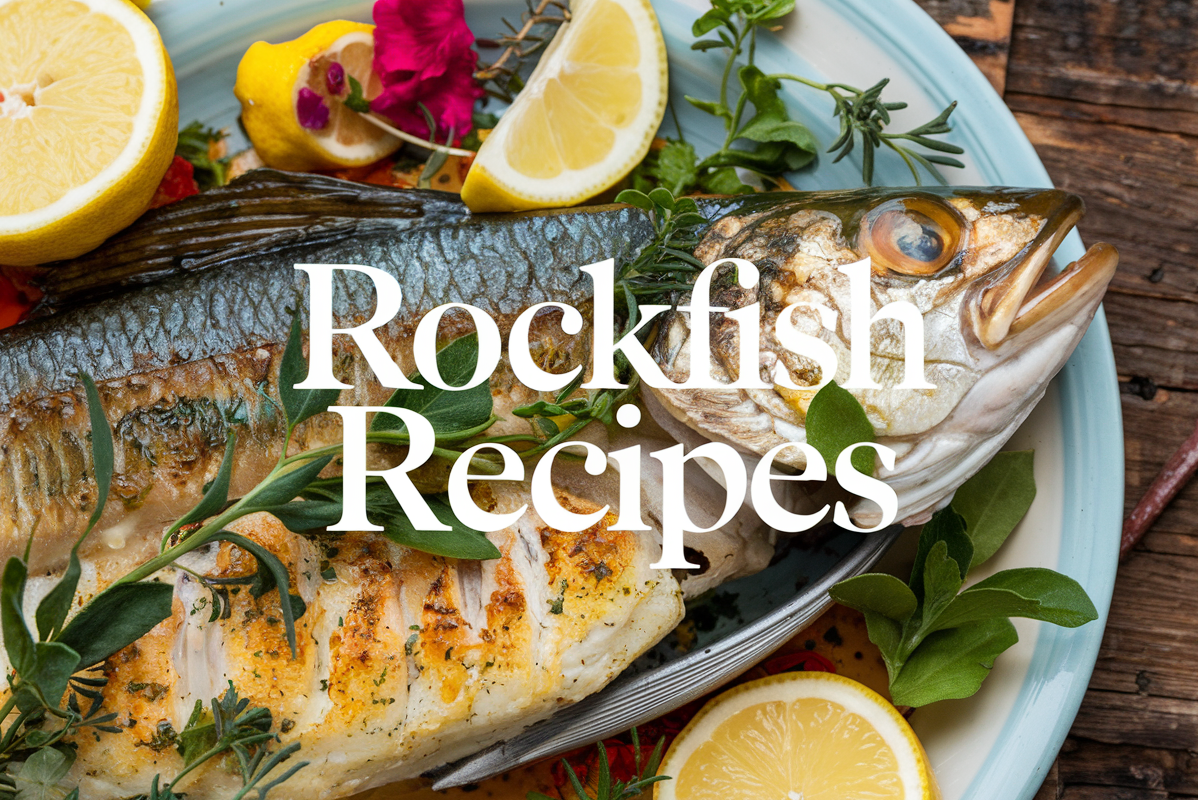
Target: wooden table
x=1107, y=90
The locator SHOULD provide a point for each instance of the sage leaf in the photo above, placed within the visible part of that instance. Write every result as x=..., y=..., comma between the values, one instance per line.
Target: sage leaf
x=52, y=611
x=300, y=405
x=1030, y=592
x=307, y=515
x=951, y=664
x=994, y=500
x=56, y=663
x=887, y=634
x=272, y=574
x=41, y=775
x=449, y=412
x=945, y=526
x=18, y=641
x=877, y=592
x=771, y=123
x=286, y=487
x=942, y=580
x=836, y=421
x=115, y=619
x=459, y=542
x=218, y=493
x=102, y=449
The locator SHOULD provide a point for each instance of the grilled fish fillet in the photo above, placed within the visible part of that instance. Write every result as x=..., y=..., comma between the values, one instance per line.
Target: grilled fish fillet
x=407, y=661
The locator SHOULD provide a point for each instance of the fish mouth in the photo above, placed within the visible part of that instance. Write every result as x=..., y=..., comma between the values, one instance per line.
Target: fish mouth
x=1027, y=297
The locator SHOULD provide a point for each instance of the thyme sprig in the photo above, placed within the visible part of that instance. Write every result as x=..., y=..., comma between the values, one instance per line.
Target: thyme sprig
x=503, y=78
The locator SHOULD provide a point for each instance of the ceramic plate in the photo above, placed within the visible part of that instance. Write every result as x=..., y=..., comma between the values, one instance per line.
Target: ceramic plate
x=999, y=744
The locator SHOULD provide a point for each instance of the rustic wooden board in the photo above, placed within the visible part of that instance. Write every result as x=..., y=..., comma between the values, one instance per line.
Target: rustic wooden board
x=1108, y=93
x=982, y=28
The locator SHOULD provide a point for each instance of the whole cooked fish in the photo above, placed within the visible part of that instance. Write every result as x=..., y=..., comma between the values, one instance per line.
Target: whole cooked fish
x=407, y=660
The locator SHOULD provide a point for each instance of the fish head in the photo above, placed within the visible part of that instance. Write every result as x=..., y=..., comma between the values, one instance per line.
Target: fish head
x=997, y=323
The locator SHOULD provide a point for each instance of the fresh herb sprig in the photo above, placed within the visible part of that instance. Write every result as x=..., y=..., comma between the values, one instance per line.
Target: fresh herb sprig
x=608, y=789
x=504, y=77
x=768, y=143
x=231, y=727
x=864, y=116
x=938, y=641
x=197, y=144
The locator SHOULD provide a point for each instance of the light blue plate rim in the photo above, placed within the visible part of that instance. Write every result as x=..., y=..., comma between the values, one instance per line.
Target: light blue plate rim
x=1091, y=418
x=1091, y=421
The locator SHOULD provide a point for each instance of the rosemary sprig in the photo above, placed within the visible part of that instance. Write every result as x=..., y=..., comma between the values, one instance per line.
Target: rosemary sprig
x=608, y=789
x=863, y=115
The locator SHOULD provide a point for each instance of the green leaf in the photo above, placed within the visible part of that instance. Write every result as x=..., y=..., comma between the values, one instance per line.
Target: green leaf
x=994, y=500
x=712, y=19
x=307, y=515
x=835, y=422
x=1031, y=592
x=887, y=635
x=56, y=605
x=41, y=775
x=449, y=412
x=272, y=574
x=18, y=641
x=56, y=662
x=52, y=611
x=635, y=198
x=102, y=450
x=942, y=577
x=300, y=404
x=115, y=619
x=218, y=492
x=723, y=180
x=356, y=100
x=952, y=664
x=878, y=592
x=676, y=166
x=945, y=526
x=711, y=107
x=287, y=486
x=460, y=542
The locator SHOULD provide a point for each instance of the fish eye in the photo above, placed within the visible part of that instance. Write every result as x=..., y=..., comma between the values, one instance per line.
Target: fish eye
x=913, y=236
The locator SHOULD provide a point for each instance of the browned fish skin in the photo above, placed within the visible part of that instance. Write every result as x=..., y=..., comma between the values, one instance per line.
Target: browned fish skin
x=405, y=660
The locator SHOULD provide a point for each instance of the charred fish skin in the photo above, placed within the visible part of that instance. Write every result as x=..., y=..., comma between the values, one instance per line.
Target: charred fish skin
x=212, y=341
x=260, y=212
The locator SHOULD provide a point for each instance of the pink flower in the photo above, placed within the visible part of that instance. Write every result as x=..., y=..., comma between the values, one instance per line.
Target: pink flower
x=422, y=56
x=334, y=79
x=311, y=109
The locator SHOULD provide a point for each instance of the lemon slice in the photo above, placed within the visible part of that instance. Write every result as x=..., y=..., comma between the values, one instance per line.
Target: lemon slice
x=271, y=79
x=585, y=118
x=88, y=123
x=797, y=736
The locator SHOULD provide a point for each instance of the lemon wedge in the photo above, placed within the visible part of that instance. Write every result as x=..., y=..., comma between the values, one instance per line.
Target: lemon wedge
x=797, y=736
x=271, y=79
x=586, y=116
x=88, y=123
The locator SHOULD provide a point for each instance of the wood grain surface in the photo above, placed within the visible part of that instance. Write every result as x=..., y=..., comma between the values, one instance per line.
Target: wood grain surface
x=1107, y=90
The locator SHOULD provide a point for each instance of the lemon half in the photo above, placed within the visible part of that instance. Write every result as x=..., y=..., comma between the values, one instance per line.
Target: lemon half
x=270, y=79
x=585, y=118
x=88, y=124
x=797, y=736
